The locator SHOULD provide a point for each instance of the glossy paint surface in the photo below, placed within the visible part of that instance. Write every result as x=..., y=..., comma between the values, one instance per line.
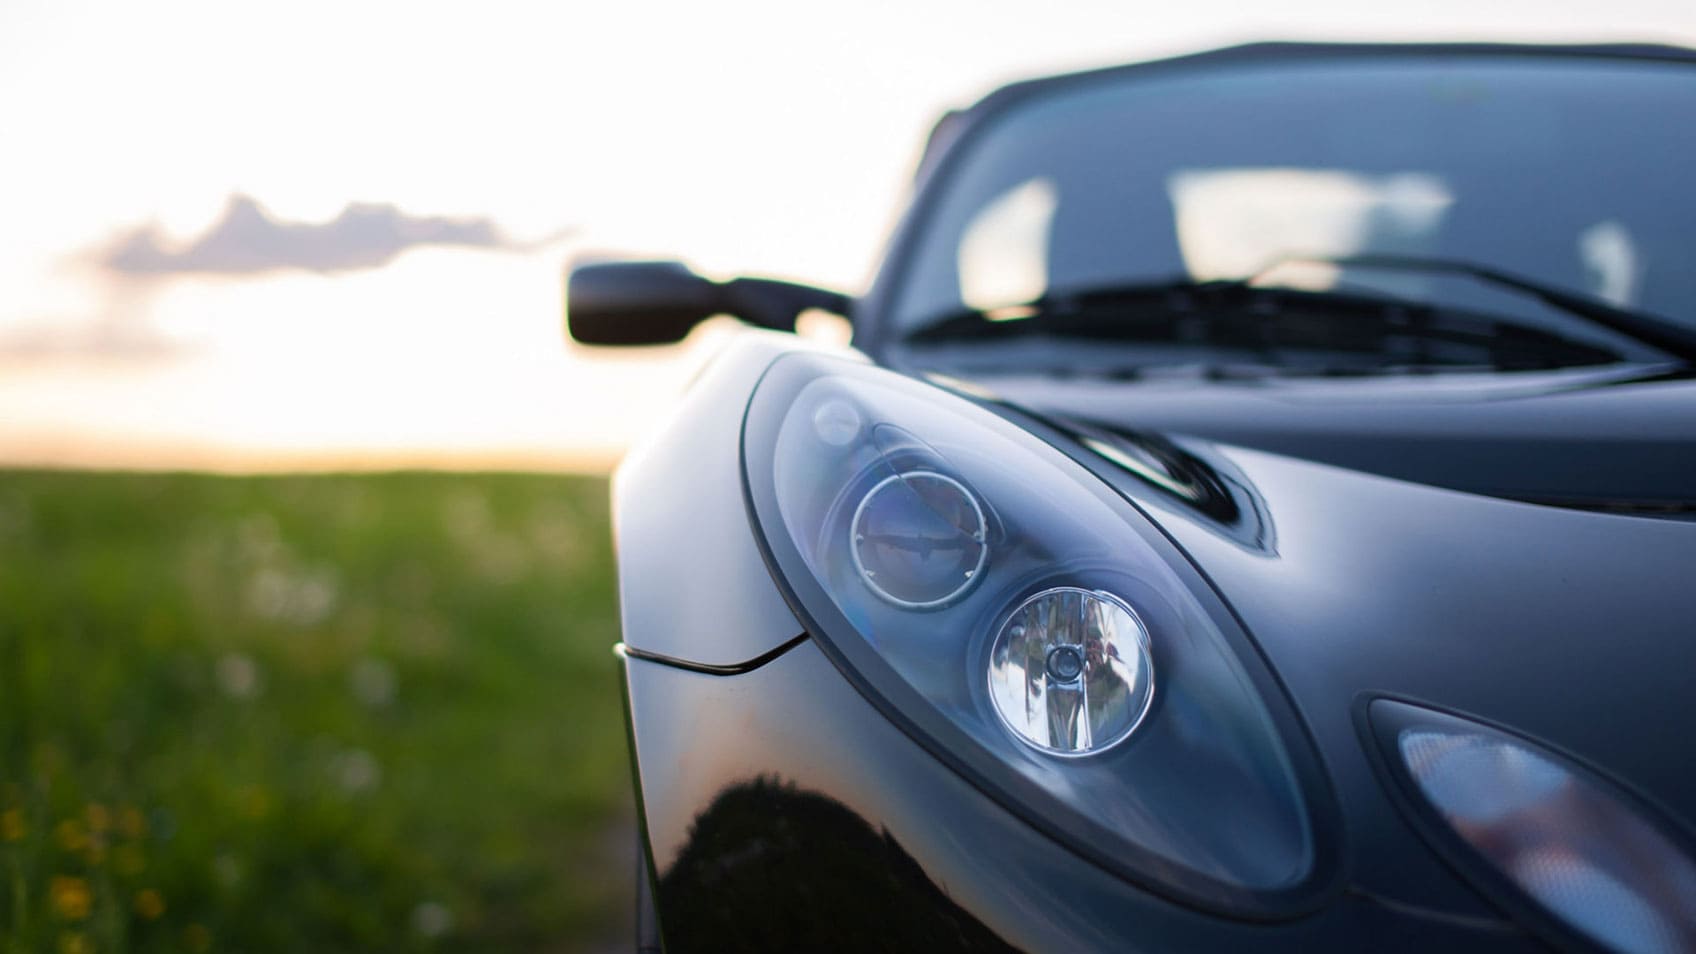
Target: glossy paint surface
x=1370, y=535
x=1570, y=626
x=692, y=585
x=1573, y=627
x=783, y=812
x=1586, y=437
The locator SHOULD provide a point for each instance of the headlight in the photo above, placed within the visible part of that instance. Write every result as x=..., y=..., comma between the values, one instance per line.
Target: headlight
x=1549, y=832
x=918, y=539
x=1069, y=671
x=1032, y=629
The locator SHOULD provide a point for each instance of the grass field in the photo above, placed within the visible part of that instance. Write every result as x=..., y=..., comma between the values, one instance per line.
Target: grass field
x=314, y=713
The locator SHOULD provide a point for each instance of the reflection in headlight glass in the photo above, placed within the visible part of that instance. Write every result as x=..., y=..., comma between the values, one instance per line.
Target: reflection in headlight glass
x=919, y=539
x=927, y=523
x=1069, y=671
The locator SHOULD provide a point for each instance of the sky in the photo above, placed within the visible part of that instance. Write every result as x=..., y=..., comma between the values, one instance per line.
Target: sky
x=312, y=234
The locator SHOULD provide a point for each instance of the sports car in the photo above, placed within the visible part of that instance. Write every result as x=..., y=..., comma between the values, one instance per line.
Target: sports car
x=1256, y=510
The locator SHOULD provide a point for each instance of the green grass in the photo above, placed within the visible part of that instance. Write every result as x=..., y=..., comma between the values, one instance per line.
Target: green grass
x=313, y=713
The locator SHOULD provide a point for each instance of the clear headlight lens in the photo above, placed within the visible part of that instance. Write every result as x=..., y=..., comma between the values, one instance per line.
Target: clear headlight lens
x=918, y=539
x=1069, y=671
x=1007, y=608
x=1559, y=834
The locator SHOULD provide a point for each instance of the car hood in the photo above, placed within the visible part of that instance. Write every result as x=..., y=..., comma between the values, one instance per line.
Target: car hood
x=1573, y=626
x=1619, y=438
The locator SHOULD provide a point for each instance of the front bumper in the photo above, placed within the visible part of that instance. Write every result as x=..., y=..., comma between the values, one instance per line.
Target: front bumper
x=781, y=811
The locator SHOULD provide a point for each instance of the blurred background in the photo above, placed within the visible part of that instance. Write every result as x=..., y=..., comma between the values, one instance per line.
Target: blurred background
x=306, y=594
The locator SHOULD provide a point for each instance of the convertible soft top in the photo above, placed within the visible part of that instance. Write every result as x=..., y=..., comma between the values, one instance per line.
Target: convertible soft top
x=955, y=122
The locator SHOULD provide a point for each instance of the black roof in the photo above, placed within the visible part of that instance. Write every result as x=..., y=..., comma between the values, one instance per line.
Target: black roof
x=951, y=124
x=1284, y=51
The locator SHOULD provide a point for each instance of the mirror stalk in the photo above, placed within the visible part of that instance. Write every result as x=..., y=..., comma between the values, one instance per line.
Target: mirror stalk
x=636, y=303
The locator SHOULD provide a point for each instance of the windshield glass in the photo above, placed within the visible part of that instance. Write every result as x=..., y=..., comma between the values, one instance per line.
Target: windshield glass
x=1571, y=172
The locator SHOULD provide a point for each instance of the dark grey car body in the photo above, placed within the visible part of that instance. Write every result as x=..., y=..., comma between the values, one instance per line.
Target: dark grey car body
x=1517, y=548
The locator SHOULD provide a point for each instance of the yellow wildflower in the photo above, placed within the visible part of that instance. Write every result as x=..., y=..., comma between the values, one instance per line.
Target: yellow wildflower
x=70, y=835
x=12, y=827
x=99, y=818
x=70, y=897
x=196, y=937
x=75, y=942
x=149, y=903
x=132, y=822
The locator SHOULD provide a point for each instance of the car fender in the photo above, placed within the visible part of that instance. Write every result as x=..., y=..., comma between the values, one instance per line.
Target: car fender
x=693, y=587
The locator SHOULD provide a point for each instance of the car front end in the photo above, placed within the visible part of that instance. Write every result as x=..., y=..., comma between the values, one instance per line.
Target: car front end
x=1085, y=608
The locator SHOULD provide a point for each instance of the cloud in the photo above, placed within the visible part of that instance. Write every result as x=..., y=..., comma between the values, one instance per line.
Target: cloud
x=248, y=240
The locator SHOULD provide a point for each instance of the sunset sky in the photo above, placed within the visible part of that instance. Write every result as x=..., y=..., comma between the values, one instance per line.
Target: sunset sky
x=330, y=234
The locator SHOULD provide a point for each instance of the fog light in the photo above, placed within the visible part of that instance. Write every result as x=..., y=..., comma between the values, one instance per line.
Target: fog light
x=1069, y=671
x=1576, y=848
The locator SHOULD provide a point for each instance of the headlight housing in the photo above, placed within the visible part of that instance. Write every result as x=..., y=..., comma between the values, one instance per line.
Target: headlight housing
x=1030, y=627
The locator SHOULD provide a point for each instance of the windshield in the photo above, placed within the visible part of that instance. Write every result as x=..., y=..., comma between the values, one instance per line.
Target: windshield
x=1571, y=172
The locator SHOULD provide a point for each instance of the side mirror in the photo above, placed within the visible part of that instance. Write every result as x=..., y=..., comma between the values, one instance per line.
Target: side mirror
x=636, y=303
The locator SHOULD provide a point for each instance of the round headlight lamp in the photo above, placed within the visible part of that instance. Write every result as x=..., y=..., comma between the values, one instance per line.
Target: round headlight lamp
x=1069, y=671
x=919, y=539
x=1009, y=611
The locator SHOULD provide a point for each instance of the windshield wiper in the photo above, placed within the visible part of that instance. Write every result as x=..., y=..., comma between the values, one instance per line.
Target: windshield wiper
x=1242, y=314
x=1272, y=322
x=1658, y=332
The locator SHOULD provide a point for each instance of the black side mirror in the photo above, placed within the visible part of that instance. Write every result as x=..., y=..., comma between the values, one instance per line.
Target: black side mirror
x=635, y=303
